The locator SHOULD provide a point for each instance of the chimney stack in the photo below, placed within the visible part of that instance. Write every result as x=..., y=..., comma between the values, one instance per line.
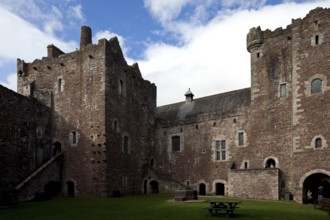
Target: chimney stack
x=86, y=36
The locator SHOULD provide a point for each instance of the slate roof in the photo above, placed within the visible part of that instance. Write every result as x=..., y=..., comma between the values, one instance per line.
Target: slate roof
x=216, y=103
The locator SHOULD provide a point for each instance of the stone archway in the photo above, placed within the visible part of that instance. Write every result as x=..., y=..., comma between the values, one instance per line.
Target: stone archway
x=154, y=187
x=202, y=189
x=312, y=181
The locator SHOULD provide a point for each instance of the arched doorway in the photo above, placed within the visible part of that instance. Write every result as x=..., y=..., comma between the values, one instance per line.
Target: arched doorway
x=220, y=189
x=270, y=163
x=70, y=188
x=154, y=187
x=202, y=189
x=313, y=182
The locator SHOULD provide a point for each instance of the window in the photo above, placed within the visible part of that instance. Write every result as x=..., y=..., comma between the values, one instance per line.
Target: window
x=318, y=143
x=125, y=145
x=245, y=165
x=240, y=138
x=74, y=137
x=317, y=39
x=59, y=85
x=121, y=87
x=316, y=86
x=283, y=90
x=124, y=180
x=220, y=150
x=175, y=143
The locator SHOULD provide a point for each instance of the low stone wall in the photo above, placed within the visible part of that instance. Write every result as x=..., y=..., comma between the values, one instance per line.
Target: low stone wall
x=254, y=183
x=185, y=194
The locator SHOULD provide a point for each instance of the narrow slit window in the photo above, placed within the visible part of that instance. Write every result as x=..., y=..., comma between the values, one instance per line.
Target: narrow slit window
x=59, y=85
x=283, y=90
x=74, y=137
x=317, y=39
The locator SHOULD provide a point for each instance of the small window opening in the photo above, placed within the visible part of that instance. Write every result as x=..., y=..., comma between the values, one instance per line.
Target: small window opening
x=74, y=137
x=316, y=86
x=245, y=165
x=59, y=85
x=283, y=90
x=258, y=55
x=121, y=87
x=317, y=39
x=196, y=126
x=318, y=143
x=175, y=143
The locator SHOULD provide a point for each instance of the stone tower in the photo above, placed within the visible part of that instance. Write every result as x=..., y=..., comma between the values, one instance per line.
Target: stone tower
x=102, y=113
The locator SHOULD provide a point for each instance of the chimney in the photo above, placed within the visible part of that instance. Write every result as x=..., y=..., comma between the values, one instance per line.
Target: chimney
x=86, y=36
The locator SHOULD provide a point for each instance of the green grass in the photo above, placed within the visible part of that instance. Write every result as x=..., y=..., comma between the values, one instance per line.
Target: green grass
x=154, y=207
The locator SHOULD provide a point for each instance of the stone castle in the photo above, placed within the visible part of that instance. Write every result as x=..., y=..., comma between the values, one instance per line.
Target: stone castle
x=86, y=124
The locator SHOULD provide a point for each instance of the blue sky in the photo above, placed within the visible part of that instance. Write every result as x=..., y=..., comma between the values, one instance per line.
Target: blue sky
x=178, y=44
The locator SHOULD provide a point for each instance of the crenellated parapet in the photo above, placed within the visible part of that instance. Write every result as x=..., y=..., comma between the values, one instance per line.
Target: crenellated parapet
x=254, y=39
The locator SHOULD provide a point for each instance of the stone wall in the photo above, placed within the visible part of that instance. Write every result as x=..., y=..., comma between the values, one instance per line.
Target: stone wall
x=254, y=183
x=25, y=138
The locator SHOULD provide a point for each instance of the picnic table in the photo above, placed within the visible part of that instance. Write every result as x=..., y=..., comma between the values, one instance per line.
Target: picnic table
x=228, y=206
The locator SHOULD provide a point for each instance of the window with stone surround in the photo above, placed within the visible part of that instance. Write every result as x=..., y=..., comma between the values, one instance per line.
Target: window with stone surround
x=283, y=90
x=59, y=85
x=316, y=86
x=175, y=143
x=240, y=138
x=74, y=139
x=318, y=143
x=220, y=150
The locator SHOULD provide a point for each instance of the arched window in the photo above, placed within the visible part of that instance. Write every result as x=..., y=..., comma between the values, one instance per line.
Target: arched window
x=316, y=86
x=318, y=143
x=175, y=143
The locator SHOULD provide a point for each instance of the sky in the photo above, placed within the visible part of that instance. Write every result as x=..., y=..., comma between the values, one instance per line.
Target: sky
x=178, y=44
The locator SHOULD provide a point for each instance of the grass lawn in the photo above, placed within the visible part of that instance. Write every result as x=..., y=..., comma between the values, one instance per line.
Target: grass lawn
x=154, y=207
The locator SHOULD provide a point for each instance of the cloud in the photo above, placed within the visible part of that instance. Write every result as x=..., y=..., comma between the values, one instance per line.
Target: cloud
x=10, y=82
x=24, y=40
x=49, y=16
x=165, y=10
x=212, y=58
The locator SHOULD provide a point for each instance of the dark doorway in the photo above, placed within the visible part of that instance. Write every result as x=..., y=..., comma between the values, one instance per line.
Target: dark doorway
x=53, y=188
x=70, y=188
x=313, y=182
x=154, y=187
x=57, y=148
x=219, y=189
x=202, y=189
x=270, y=163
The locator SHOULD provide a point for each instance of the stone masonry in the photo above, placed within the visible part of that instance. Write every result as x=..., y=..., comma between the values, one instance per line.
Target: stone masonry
x=94, y=115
